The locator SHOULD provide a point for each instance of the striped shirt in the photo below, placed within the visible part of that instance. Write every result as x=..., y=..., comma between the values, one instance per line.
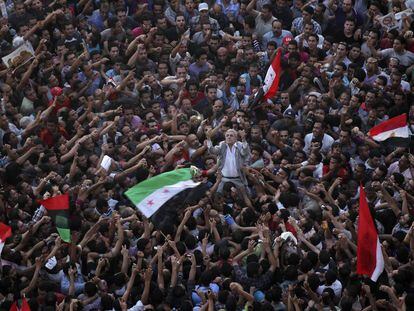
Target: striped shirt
x=298, y=25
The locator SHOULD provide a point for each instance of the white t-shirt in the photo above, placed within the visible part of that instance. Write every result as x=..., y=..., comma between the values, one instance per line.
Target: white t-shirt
x=317, y=173
x=336, y=286
x=327, y=142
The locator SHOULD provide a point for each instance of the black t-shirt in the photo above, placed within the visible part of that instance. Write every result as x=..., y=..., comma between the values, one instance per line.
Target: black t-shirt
x=340, y=37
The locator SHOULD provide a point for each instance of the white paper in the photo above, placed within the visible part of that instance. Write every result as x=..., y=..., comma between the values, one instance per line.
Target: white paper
x=51, y=263
x=106, y=162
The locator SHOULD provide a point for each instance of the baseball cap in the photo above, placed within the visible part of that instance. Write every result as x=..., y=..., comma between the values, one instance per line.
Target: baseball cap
x=286, y=40
x=202, y=6
x=259, y=296
x=137, y=31
x=56, y=91
x=289, y=113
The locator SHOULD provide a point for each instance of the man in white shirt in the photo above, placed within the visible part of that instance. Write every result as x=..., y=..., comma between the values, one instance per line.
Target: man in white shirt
x=402, y=166
x=331, y=281
x=232, y=155
x=318, y=132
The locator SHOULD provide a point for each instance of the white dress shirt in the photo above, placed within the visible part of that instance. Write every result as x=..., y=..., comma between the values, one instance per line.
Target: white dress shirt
x=230, y=168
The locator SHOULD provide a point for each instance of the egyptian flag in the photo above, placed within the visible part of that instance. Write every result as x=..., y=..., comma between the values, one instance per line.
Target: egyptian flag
x=370, y=260
x=58, y=209
x=395, y=129
x=271, y=82
x=5, y=232
x=25, y=306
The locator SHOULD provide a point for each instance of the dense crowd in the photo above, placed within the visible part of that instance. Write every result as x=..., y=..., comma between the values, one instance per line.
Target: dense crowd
x=159, y=85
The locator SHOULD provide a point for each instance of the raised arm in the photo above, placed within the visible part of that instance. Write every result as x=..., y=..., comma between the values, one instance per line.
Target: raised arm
x=160, y=268
x=122, y=175
x=33, y=281
x=250, y=8
x=131, y=281
x=249, y=250
x=119, y=241
x=147, y=286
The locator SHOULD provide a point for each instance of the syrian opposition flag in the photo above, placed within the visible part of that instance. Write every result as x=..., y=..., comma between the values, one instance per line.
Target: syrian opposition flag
x=370, y=260
x=271, y=82
x=58, y=209
x=25, y=306
x=395, y=128
x=5, y=232
x=150, y=194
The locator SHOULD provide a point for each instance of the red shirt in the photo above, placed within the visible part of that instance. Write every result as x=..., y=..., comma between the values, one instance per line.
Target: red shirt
x=343, y=173
x=66, y=103
x=194, y=101
x=181, y=158
x=49, y=139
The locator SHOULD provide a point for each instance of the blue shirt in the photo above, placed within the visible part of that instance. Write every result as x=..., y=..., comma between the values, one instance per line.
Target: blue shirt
x=97, y=20
x=270, y=36
x=79, y=284
x=246, y=76
x=95, y=84
x=232, y=8
x=194, y=70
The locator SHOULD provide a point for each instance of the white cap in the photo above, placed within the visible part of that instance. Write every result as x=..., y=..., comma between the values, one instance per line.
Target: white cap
x=202, y=6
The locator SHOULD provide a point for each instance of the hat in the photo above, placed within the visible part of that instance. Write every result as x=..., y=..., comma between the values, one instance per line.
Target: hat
x=202, y=6
x=137, y=31
x=56, y=91
x=259, y=296
x=289, y=113
x=286, y=40
x=309, y=9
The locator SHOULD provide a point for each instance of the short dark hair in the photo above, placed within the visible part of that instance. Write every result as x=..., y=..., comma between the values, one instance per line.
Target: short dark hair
x=210, y=86
x=314, y=35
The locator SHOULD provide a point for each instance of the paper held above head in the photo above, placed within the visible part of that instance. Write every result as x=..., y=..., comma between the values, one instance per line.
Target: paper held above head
x=106, y=162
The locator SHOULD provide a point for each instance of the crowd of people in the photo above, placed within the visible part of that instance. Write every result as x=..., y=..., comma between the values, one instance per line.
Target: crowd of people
x=159, y=85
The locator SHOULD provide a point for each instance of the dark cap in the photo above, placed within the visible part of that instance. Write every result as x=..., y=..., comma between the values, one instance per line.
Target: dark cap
x=289, y=113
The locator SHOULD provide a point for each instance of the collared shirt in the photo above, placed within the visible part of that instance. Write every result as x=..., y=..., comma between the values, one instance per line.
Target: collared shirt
x=297, y=25
x=305, y=42
x=235, y=103
x=394, y=168
x=232, y=7
x=230, y=167
x=247, y=77
x=215, y=27
x=270, y=36
x=406, y=58
x=174, y=61
x=263, y=26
